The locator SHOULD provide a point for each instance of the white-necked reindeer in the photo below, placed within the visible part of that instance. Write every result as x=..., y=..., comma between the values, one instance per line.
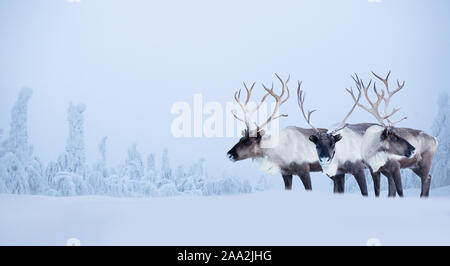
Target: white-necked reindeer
x=340, y=153
x=387, y=149
x=291, y=153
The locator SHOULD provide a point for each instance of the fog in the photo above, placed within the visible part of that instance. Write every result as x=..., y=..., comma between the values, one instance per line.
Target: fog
x=129, y=61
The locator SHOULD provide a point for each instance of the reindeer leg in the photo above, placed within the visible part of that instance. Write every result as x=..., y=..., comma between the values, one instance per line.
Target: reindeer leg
x=340, y=182
x=425, y=179
x=397, y=178
x=392, y=190
x=287, y=181
x=376, y=182
x=423, y=171
x=425, y=186
x=306, y=180
x=392, y=171
x=335, y=184
x=361, y=180
x=303, y=173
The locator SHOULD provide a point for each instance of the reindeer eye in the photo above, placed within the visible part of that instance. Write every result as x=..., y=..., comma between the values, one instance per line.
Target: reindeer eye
x=248, y=142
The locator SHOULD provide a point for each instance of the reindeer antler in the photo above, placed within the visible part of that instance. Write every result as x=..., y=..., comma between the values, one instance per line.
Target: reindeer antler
x=387, y=100
x=301, y=103
x=381, y=96
x=237, y=96
x=247, y=114
x=373, y=109
x=278, y=99
x=356, y=100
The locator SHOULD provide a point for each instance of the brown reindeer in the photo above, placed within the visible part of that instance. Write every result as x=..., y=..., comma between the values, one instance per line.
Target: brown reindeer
x=339, y=154
x=291, y=153
x=386, y=148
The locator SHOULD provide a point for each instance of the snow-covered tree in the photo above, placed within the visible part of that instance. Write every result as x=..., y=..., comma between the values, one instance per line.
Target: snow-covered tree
x=134, y=166
x=37, y=181
x=17, y=141
x=263, y=183
x=166, y=171
x=70, y=169
x=197, y=169
x=350, y=184
x=410, y=179
x=73, y=159
x=99, y=171
x=13, y=177
x=149, y=190
x=50, y=171
x=70, y=184
x=114, y=185
x=101, y=162
x=168, y=190
x=1, y=146
x=69, y=174
x=440, y=171
x=180, y=174
x=20, y=172
x=198, y=174
x=226, y=186
x=151, y=175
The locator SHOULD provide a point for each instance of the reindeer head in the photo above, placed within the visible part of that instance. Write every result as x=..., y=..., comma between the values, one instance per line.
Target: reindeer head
x=325, y=141
x=325, y=146
x=394, y=144
x=249, y=146
x=388, y=141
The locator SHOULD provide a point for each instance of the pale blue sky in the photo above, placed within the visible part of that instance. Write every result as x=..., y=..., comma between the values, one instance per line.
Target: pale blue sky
x=128, y=61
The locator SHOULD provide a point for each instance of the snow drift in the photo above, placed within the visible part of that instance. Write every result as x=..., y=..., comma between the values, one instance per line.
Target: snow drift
x=263, y=218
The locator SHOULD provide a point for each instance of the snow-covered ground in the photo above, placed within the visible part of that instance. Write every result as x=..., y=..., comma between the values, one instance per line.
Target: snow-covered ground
x=264, y=218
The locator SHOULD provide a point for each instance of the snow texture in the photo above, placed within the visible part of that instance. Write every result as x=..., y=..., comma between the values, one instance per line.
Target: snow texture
x=263, y=218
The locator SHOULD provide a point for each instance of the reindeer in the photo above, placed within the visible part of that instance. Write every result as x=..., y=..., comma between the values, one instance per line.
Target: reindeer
x=339, y=153
x=291, y=153
x=386, y=148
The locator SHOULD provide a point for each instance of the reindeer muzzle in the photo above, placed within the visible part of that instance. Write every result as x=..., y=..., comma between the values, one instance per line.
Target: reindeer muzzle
x=411, y=152
x=231, y=156
x=324, y=162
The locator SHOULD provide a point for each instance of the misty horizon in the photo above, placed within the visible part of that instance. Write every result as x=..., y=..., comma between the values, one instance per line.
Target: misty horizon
x=129, y=72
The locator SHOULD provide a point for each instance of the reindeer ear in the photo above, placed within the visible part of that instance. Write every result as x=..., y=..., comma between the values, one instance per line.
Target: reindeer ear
x=313, y=138
x=384, y=134
x=337, y=137
x=261, y=133
x=244, y=133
